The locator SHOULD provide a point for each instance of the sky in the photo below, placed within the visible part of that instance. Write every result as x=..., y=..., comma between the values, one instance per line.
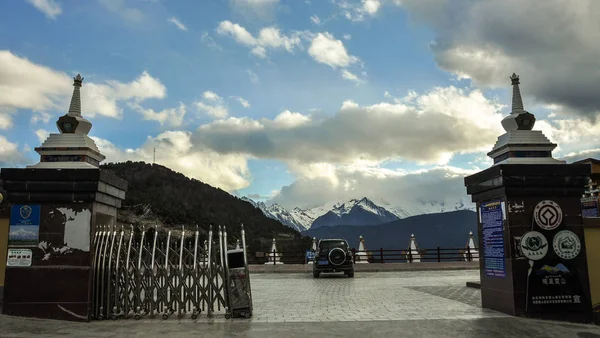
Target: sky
x=301, y=102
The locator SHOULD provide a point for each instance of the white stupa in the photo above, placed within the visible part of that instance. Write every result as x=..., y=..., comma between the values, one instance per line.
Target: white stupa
x=361, y=253
x=414, y=250
x=72, y=148
x=471, y=249
x=520, y=144
x=273, y=255
x=237, y=245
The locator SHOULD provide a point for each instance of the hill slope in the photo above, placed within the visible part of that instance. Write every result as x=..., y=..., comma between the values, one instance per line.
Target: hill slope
x=175, y=200
x=447, y=230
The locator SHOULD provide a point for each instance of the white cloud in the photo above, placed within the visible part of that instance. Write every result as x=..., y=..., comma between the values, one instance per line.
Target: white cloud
x=325, y=49
x=453, y=120
x=30, y=86
x=359, y=11
x=212, y=105
x=413, y=191
x=170, y=116
x=42, y=135
x=315, y=19
x=289, y=120
x=350, y=76
x=178, y=24
x=242, y=101
x=211, y=96
x=269, y=38
x=347, y=36
x=50, y=8
x=486, y=41
x=175, y=150
x=10, y=155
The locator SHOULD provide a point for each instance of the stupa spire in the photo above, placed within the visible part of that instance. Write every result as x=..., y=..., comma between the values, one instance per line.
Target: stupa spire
x=517, y=100
x=75, y=107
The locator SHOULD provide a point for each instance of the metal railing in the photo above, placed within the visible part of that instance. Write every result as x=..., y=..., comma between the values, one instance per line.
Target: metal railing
x=381, y=255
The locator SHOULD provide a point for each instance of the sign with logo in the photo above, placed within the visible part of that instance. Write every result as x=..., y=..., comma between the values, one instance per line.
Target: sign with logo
x=310, y=255
x=24, y=225
x=19, y=257
x=548, y=215
x=491, y=215
x=554, y=287
x=534, y=245
x=566, y=244
x=589, y=207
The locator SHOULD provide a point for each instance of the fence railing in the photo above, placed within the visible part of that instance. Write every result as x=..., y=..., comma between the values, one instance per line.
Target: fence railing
x=373, y=256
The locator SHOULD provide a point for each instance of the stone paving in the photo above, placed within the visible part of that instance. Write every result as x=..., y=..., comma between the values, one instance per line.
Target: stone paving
x=385, y=304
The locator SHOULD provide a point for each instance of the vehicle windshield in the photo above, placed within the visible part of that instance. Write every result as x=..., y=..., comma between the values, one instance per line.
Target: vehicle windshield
x=328, y=245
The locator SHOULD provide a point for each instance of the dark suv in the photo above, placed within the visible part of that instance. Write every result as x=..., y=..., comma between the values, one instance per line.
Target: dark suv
x=333, y=255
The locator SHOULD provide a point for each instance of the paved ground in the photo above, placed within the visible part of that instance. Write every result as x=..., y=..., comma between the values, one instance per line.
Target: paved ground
x=387, y=304
x=374, y=267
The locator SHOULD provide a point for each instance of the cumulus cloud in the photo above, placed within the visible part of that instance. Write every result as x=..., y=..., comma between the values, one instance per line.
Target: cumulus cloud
x=212, y=104
x=50, y=8
x=175, y=150
x=485, y=40
x=42, y=134
x=26, y=85
x=269, y=38
x=178, y=24
x=172, y=117
x=454, y=120
x=412, y=191
x=10, y=155
x=324, y=48
x=360, y=10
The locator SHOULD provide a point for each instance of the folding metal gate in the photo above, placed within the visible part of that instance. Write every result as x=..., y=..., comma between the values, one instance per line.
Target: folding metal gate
x=148, y=272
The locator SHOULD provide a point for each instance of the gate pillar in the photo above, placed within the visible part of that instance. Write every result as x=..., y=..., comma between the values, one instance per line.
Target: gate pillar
x=55, y=206
x=53, y=214
x=531, y=238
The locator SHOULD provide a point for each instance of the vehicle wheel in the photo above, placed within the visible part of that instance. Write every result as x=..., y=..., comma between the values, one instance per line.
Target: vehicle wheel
x=227, y=316
x=194, y=316
x=315, y=274
x=165, y=316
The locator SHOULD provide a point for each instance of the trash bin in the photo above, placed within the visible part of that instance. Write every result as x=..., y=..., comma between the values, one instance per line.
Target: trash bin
x=238, y=290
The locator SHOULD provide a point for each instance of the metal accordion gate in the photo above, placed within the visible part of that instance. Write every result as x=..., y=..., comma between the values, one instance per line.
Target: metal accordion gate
x=151, y=272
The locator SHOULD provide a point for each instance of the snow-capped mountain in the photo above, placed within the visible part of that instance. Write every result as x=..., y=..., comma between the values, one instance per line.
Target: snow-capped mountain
x=355, y=212
x=296, y=219
x=362, y=211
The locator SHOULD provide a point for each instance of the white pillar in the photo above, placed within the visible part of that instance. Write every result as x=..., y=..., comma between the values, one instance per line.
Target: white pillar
x=472, y=249
x=273, y=254
x=361, y=253
x=414, y=250
x=237, y=245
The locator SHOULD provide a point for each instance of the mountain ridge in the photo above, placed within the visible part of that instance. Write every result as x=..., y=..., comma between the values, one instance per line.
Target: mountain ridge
x=363, y=211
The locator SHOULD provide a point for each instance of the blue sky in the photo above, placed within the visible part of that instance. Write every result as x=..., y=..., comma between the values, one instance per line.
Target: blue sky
x=191, y=48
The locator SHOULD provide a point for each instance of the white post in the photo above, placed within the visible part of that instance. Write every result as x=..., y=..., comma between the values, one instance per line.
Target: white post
x=237, y=245
x=414, y=250
x=361, y=253
x=273, y=254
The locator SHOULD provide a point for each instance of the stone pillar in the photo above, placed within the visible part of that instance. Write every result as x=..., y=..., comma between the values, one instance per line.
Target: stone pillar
x=533, y=256
x=53, y=215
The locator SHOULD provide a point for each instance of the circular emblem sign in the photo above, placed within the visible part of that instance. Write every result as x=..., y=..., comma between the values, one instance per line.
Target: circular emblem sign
x=534, y=245
x=548, y=215
x=566, y=244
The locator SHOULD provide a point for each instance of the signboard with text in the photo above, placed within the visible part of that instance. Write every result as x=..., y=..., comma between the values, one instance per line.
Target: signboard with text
x=491, y=216
x=24, y=225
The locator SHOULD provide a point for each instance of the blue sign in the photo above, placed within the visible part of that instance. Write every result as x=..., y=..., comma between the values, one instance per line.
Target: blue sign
x=24, y=225
x=491, y=216
x=310, y=255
